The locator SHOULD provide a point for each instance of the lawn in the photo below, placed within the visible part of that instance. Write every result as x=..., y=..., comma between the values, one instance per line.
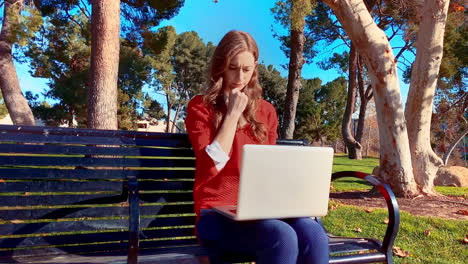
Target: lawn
x=426, y=239
x=342, y=163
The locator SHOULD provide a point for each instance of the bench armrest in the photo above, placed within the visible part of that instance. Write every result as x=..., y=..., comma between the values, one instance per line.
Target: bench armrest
x=392, y=205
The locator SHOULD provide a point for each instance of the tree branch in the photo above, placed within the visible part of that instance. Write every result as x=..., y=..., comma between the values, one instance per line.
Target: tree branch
x=452, y=147
x=403, y=49
x=74, y=20
x=84, y=10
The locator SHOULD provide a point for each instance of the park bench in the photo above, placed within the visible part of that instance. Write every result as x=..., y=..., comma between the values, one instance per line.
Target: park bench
x=96, y=196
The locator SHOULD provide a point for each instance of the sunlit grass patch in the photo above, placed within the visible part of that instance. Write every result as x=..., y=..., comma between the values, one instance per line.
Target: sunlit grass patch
x=428, y=240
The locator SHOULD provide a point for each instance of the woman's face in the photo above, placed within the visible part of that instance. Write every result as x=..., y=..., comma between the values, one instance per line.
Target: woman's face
x=239, y=71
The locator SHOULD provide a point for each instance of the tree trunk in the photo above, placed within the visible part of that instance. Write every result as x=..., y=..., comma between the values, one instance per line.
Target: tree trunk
x=296, y=61
x=365, y=94
x=354, y=147
x=102, y=98
x=421, y=92
x=16, y=103
x=176, y=116
x=168, y=118
x=372, y=43
x=294, y=83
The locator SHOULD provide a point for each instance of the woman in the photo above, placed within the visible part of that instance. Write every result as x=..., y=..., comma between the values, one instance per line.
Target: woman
x=230, y=115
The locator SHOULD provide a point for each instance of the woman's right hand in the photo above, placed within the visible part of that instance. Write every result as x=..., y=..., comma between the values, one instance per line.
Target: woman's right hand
x=236, y=102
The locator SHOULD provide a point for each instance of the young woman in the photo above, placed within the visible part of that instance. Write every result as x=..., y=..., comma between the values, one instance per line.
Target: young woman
x=230, y=115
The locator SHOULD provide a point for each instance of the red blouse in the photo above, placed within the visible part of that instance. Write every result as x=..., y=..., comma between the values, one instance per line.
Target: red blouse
x=213, y=187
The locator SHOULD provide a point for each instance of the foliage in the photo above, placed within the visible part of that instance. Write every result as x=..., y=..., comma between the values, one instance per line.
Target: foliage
x=136, y=16
x=60, y=53
x=134, y=73
x=190, y=59
x=282, y=14
x=179, y=66
x=274, y=87
x=320, y=110
x=428, y=240
x=26, y=22
x=152, y=109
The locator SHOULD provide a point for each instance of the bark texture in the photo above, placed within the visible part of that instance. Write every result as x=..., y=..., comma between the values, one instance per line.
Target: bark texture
x=365, y=94
x=102, y=98
x=354, y=147
x=372, y=43
x=419, y=105
x=294, y=83
x=16, y=103
x=300, y=8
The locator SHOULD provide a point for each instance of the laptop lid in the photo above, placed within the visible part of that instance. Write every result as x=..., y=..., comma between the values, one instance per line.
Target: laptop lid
x=284, y=181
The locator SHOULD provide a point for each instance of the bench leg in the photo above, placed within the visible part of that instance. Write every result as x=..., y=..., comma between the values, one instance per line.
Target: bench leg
x=134, y=220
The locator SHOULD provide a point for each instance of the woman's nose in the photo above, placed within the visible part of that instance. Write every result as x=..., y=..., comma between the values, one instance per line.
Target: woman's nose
x=239, y=76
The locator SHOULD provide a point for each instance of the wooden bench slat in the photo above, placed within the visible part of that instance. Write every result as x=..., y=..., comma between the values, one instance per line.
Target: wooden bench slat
x=65, y=212
x=60, y=186
x=18, y=227
x=103, y=247
x=79, y=174
x=88, y=150
x=115, y=210
x=47, y=228
x=183, y=248
x=85, y=140
x=60, y=199
x=172, y=209
x=146, y=244
x=95, y=162
x=34, y=200
x=67, y=186
x=98, y=236
x=166, y=221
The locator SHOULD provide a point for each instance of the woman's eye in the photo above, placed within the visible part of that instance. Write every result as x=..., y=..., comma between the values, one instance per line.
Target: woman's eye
x=246, y=70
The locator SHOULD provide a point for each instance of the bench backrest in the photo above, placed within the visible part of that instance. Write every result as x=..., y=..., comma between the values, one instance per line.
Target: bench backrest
x=65, y=190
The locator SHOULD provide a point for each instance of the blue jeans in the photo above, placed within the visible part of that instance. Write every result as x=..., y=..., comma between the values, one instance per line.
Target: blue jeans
x=271, y=241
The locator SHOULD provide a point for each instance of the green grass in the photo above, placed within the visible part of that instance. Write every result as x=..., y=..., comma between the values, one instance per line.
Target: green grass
x=442, y=244
x=454, y=191
x=342, y=163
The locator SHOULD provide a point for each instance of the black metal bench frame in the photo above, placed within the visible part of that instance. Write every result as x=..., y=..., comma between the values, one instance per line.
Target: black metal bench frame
x=84, y=154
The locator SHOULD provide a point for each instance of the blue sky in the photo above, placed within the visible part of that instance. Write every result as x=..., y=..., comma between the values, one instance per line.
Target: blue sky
x=212, y=20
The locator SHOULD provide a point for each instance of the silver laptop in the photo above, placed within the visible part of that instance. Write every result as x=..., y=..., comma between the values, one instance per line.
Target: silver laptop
x=282, y=182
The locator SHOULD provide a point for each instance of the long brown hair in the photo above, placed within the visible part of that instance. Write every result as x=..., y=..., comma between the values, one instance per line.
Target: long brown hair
x=230, y=45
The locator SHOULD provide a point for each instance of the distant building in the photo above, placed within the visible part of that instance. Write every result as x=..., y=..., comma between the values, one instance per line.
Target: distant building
x=155, y=126
x=6, y=120
x=143, y=125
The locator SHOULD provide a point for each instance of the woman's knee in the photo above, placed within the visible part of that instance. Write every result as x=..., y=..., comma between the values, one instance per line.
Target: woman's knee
x=277, y=233
x=308, y=226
